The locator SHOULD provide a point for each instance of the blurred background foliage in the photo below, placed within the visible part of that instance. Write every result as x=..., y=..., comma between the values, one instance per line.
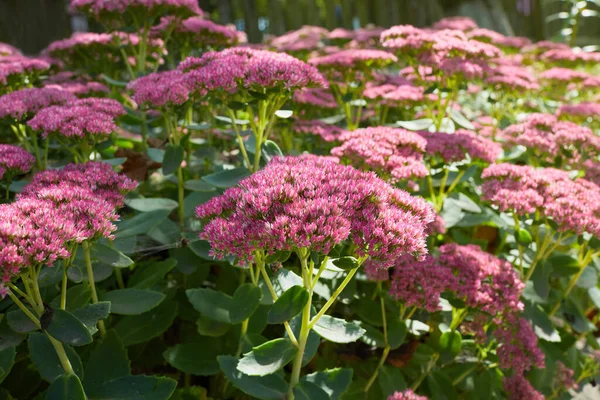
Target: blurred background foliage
x=32, y=24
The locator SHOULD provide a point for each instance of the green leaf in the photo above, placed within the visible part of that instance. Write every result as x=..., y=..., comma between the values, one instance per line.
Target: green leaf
x=594, y=294
x=193, y=358
x=66, y=328
x=288, y=305
x=397, y=331
x=198, y=185
x=236, y=105
x=337, y=330
x=334, y=382
x=211, y=303
x=345, y=263
x=267, y=358
x=150, y=275
x=106, y=362
x=270, y=150
x=174, y=155
x=153, y=204
x=110, y=256
x=19, y=322
x=210, y=327
x=113, y=82
x=43, y=355
x=372, y=336
x=228, y=120
x=542, y=326
x=245, y=301
x=132, y=301
x=451, y=342
x=141, y=224
x=66, y=387
x=416, y=125
x=7, y=360
x=141, y=328
x=390, y=380
x=460, y=119
x=441, y=387
x=284, y=113
x=270, y=387
x=8, y=337
x=309, y=391
x=227, y=178
x=156, y=155
x=588, y=278
x=138, y=387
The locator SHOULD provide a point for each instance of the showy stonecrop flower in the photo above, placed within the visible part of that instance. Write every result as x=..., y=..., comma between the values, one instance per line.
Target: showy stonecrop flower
x=407, y=394
x=21, y=105
x=396, y=154
x=81, y=85
x=18, y=72
x=300, y=42
x=585, y=113
x=348, y=71
x=550, y=142
x=256, y=81
x=517, y=387
x=81, y=124
x=14, y=161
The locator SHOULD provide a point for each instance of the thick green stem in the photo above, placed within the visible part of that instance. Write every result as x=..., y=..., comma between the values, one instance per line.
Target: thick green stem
x=305, y=327
x=25, y=310
x=386, y=350
x=90, y=274
x=181, y=197
x=583, y=264
x=239, y=139
x=63, y=289
x=333, y=297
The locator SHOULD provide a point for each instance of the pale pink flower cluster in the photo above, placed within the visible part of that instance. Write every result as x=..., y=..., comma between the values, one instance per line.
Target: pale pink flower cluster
x=8, y=50
x=159, y=89
x=14, y=160
x=407, y=394
x=82, y=117
x=327, y=132
x=78, y=85
x=550, y=138
x=115, y=8
x=489, y=36
x=394, y=152
x=303, y=39
x=559, y=75
x=564, y=377
x=512, y=77
x=244, y=68
x=458, y=23
x=395, y=95
x=315, y=97
x=456, y=146
x=23, y=104
x=198, y=31
x=341, y=34
x=519, y=388
x=313, y=202
x=15, y=67
x=584, y=109
x=568, y=56
x=355, y=59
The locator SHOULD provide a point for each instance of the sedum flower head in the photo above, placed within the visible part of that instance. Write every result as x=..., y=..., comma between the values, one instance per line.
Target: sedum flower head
x=14, y=160
x=455, y=147
x=116, y=9
x=160, y=89
x=327, y=132
x=23, y=104
x=313, y=202
x=197, y=30
x=519, y=388
x=407, y=394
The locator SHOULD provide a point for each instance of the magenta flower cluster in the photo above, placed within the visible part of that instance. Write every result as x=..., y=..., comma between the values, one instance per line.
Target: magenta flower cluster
x=160, y=89
x=23, y=104
x=78, y=119
x=519, y=388
x=313, y=202
x=14, y=160
x=394, y=152
x=15, y=67
x=455, y=147
x=197, y=30
x=327, y=132
x=114, y=8
x=407, y=394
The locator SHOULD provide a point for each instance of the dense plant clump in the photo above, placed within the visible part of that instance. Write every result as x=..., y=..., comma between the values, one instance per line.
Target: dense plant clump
x=403, y=214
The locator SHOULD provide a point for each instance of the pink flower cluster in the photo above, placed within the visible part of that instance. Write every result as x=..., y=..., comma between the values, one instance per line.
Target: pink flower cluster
x=8, y=50
x=91, y=116
x=327, y=132
x=303, y=39
x=407, y=394
x=457, y=23
x=498, y=39
x=518, y=349
x=15, y=67
x=355, y=59
x=315, y=97
x=550, y=138
x=160, y=89
x=564, y=376
x=313, y=202
x=570, y=57
x=79, y=85
x=59, y=208
x=14, y=160
x=245, y=68
x=420, y=284
x=198, y=31
x=394, y=152
x=512, y=77
x=584, y=110
x=519, y=388
x=574, y=205
x=569, y=76
x=115, y=8
x=455, y=147
x=22, y=104
x=395, y=95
